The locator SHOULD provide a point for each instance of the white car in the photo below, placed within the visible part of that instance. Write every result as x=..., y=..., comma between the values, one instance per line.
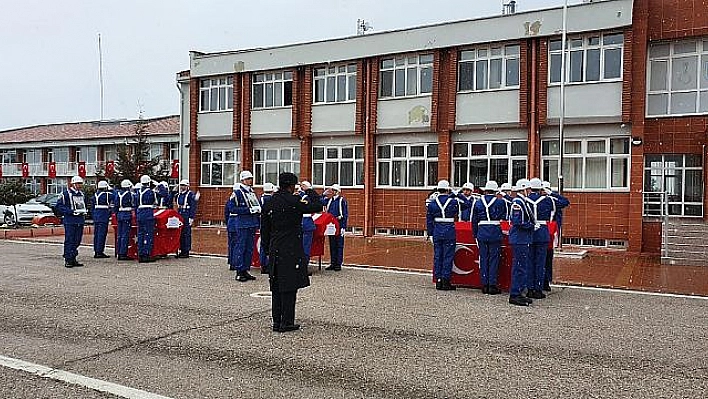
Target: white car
x=25, y=212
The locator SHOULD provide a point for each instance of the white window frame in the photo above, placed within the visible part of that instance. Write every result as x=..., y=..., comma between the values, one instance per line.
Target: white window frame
x=336, y=156
x=549, y=158
x=52, y=154
x=110, y=153
x=278, y=84
x=9, y=157
x=504, y=54
x=266, y=158
x=419, y=64
x=225, y=159
x=56, y=186
x=488, y=157
x=81, y=153
x=330, y=80
x=701, y=88
x=429, y=157
x=583, y=44
x=174, y=151
x=661, y=168
x=216, y=94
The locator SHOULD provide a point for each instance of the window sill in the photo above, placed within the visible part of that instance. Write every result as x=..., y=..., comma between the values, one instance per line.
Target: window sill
x=406, y=97
x=272, y=108
x=557, y=84
x=509, y=88
x=597, y=190
x=348, y=102
x=677, y=115
x=404, y=188
x=215, y=112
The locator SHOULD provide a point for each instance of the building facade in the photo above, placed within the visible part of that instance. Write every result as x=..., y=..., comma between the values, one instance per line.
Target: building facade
x=47, y=156
x=387, y=115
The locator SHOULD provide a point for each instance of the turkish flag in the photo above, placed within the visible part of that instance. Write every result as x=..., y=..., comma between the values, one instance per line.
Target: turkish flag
x=25, y=170
x=82, y=168
x=0, y=170
x=52, y=170
x=175, y=169
x=110, y=168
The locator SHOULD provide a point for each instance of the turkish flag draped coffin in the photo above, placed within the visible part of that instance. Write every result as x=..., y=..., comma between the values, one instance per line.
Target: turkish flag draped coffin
x=325, y=225
x=168, y=227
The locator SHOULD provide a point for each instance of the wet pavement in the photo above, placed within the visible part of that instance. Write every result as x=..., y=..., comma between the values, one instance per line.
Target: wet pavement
x=600, y=268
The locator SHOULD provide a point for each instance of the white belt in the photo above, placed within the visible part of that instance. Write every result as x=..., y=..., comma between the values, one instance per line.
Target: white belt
x=145, y=206
x=125, y=209
x=445, y=220
x=491, y=222
x=307, y=215
x=541, y=221
x=101, y=206
x=183, y=207
x=233, y=214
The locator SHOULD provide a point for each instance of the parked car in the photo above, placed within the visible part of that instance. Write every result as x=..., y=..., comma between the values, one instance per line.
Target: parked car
x=25, y=212
x=49, y=200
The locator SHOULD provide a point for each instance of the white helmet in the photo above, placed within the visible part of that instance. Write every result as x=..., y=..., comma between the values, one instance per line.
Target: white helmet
x=468, y=186
x=77, y=180
x=506, y=187
x=305, y=185
x=145, y=179
x=103, y=184
x=521, y=184
x=138, y=186
x=443, y=185
x=535, y=183
x=546, y=184
x=126, y=184
x=268, y=187
x=184, y=182
x=491, y=186
x=245, y=175
x=164, y=183
x=335, y=187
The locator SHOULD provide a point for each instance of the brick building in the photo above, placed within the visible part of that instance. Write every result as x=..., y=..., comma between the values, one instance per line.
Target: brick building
x=66, y=146
x=387, y=114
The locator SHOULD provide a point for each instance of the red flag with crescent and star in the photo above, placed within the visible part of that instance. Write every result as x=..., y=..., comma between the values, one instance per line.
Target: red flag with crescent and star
x=0, y=170
x=82, y=169
x=52, y=170
x=110, y=168
x=25, y=170
x=175, y=169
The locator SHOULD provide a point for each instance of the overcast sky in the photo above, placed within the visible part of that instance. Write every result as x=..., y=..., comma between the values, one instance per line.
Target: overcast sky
x=49, y=65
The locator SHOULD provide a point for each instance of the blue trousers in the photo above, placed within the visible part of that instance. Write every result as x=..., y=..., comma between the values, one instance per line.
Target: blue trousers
x=123, y=239
x=336, y=250
x=537, y=268
x=489, y=252
x=549, y=266
x=262, y=257
x=100, y=231
x=241, y=248
x=146, y=235
x=307, y=245
x=72, y=239
x=519, y=268
x=443, y=256
x=185, y=238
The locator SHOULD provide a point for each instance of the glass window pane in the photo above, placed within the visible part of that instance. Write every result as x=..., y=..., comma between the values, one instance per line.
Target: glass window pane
x=500, y=148
x=519, y=148
x=341, y=88
x=411, y=81
x=348, y=153
x=432, y=172
x=499, y=170
x=386, y=89
x=550, y=147
x=206, y=156
x=518, y=171
x=573, y=172
x=512, y=50
x=512, y=72
x=704, y=68
x=346, y=174
x=576, y=66
x=466, y=78
x=318, y=174
x=617, y=38
x=657, y=80
x=613, y=63
x=658, y=104
x=400, y=83
x=332, y=153
x=384, y=173
x=359, y=174
x=398, y=173
x=258, y=96
x=387, y=63
x=285, y=154
x=222, y=98
x=331, y=173
x=229, y=171
x=593, y=65
x=550, y=172
x=479, y=149
x=416, y=173
x=269, y=94
x=693, y=210
x=217, y=156
x=331, y=89
x=619, y=172
x=556, y=63
x=271, y=172
x=555, y=45
x=619, y=146
x=481, y=72
x=693, y=161
x=206, y=174
x=683, y=103
x=573, y=147
x=271, y=154
x=703, y=102
x=684, y=73
x=460, y=149
x=417, y=151
x=432, y=150
x=384, y=151
x=359, y=152
x=685, y=47
x=659, y=50
x=216, y=174
x=467, y=55
x=596, y=147
x=214, y=99
x=426, y=80
x=694, y=186
x=478, y=172
x=351, y=88
x=495, y=73
x=278, y=94
x=317, y=153
x=459, y=173
x=288, y=93
x=399, y=151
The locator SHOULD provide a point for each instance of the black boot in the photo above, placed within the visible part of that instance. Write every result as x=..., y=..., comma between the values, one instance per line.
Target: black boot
x=248, y=275
x=438, y=284
x=76, y=263
x=518, y=301
x=241, y=277
x=123, y=257
x=446, y=286
x=493, y=290
x=485, y=289
x=101, y=256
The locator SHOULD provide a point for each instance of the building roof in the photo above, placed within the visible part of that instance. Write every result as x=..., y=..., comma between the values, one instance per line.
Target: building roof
x=165, y=125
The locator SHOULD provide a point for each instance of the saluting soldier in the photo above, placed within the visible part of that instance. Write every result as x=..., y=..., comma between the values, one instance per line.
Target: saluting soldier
x=541, y=207
x=520, y=238
x=487, y=214
x=146, y=201
x=123, y=202
x=336, y=205
x=101, y=216
x=187, y=208
x=242, y=212
x=559, y=202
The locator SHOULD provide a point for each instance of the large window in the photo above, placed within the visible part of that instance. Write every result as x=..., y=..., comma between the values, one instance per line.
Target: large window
x=678, y=78
x=406, y=76
x=110, y=153
x=87, y=154
x=489, y=68
x=272, y=89
x=8, y=156
x=593, y=164
x=479, y=162
x=220, y=166
x=341, y=165
x=56, y=186
x=59, y=154
x=407, y=165
x=335, y=84
x=174, y=151
x=592, y=58
x=270, y=163
x=676, y=179
x=216, y=94
x=156, y=151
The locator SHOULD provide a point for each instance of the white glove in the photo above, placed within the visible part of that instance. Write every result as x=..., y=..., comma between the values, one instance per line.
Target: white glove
x=256, y=209
x=536, y=226
x=191, y=221
x=341, y=231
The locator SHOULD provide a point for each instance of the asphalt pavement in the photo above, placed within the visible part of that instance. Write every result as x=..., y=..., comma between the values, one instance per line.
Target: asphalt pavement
x=185, y=329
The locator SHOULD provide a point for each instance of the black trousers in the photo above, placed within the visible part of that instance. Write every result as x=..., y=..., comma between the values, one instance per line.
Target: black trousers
x=283, y=307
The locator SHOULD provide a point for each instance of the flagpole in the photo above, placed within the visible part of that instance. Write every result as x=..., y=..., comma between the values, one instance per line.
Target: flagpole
x=561, y=123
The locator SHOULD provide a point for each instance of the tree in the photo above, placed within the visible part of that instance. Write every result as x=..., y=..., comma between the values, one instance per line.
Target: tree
x=13, y=192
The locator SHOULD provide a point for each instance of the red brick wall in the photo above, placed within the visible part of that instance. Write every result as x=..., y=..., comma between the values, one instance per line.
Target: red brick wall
x=370, y=121
x=524, y=78
x=246, y=142
x=211, y=203
x=355, y=201
x=597, y=215
x=685, y=135
x=627, y=76
x=194, y=147
x=444, y=100
x=401, y=209
x=238, y=110
x=671, y=19
x=542, y=82
x=651, y=232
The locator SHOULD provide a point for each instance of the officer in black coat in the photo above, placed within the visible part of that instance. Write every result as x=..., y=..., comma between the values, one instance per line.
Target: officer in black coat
x=281, y=235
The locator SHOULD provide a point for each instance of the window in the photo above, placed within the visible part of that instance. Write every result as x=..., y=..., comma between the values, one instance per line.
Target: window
x=270, y=163
x=593, y=58
x=156, y=151
x=479, y=162
x=56, y=186
x=680, y=176
x=335, y=84
x=174, y=151
x=489, y=68
x=341, y=165
x=593, y=164
x=58, y=154
x=220, y=166
x=406, y=76
x=678, y=78
x=110, y=153
x=86, y=154
x=33, y=156
x=33, y=185
x=8, y=156
x=407, y=165
x=216, y=94
x=272, y=89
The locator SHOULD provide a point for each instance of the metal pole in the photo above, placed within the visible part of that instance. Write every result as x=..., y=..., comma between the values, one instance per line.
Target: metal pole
x=561, y=124
x=100, y=71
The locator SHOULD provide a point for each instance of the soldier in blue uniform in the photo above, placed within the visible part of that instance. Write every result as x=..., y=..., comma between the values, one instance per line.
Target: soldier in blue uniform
x=308, y=223
x=507, y=195
x=487, y=214
x=267, y=195
x=146, y=201
x=243, y=211
x=336, y=205
x=541, y=208
x=520, y=238
x=164, y=197
x=559, y=202
x=72, y=206
x=440, y=220
x=468, y=191
x=101, y=215
x=123, y=203
x=187, y=207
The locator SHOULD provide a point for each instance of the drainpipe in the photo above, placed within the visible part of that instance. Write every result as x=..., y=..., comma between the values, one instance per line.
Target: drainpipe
x=368, y=198
x=181, y=114
x=533, y=128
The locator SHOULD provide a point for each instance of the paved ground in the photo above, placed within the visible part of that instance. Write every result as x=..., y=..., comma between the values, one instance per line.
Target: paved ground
x=185, y=329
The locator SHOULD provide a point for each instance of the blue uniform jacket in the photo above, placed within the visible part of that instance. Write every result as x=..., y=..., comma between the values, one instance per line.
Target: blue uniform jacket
x=186, y=205
x=70, y=202
x=338, y=207
x=522, y=225
x=488, y=209
x=123, y=204
x=102, y=206
x=308, y=224
x=444, y=206
x=164, y=197
x=508, y=199
x=265, y=198
x=238, y=209
x=145, y=200
x=466, y=213
x=560, y=203
x=542, y=209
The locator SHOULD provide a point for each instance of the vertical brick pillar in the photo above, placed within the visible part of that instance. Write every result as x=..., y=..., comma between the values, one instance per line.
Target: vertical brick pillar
x=195, y=157
x=542, y=92
x=237, y=109
x=72, y=154
x=246, y=142
x=627, y=77
x=534, y=80
x=368, y=85
x=295, y=115
x=443, y=111
x=524, y=81
x=304, y=119
x=361, y=98
x=306, y=158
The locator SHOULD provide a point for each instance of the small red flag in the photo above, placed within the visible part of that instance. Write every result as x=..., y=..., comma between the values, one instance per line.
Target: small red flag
x=25, y=170
x=82, y=169
x=175, y=169
x=110, y=168
x=52, y=170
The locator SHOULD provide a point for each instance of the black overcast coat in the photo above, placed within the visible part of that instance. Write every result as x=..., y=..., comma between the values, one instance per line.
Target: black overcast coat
x=281, y=235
